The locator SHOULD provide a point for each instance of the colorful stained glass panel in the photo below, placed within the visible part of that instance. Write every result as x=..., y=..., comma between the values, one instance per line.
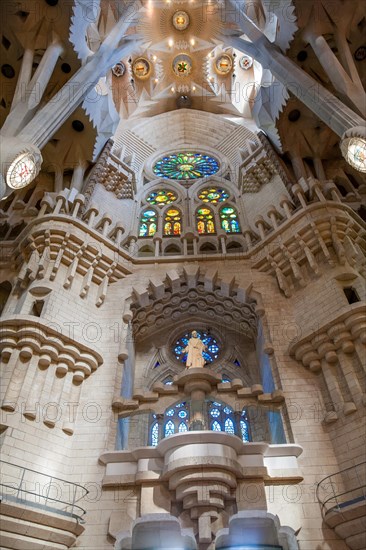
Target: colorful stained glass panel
x=186, y=166
x=213, y=195
x=161, y=197
x=229, y=219
x=148, y=224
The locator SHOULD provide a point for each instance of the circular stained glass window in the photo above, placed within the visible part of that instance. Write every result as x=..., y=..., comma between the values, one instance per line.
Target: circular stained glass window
x=161, y=197
x=213, y=195
x=186, y=166
x=210, y=354
x=182, y=65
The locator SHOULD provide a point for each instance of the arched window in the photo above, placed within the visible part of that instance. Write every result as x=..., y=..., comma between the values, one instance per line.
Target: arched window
x=161, y=197
x=154, y=431
x=229, y=219
x=214, y=195
x=244, y=427
x=229, y=426
x=169, y=428
x=216, y=426
x=148, y=223
x=205, y=221
x=172, y=222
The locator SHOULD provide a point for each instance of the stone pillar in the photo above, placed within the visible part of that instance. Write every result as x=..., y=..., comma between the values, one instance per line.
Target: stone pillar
x=323, y=103
x=51, y=117
x=77, y=179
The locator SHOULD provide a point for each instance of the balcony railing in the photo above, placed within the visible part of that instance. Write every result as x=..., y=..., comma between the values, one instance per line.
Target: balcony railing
x=342, y=489
x=32, y=488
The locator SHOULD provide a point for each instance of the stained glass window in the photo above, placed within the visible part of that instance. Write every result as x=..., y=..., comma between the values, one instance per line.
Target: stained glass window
x=229, y=426
x=216, y=426
x=210, y=354
x=244, y=426
x=213, y=195
x=229, y=219
x=172, y=222
x=154, y=434
x=185, y=166
x=215, y=413
x=205, y=221
x=161, y=197
x=182, y=427
x=148, y=223
x=169, y=428
x=244, y=431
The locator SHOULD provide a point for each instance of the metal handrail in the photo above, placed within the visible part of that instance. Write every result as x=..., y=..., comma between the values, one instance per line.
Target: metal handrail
x=77, y=512
x=335, y=497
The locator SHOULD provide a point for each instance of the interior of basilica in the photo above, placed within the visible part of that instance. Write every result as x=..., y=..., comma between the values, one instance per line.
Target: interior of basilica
x=182, y=275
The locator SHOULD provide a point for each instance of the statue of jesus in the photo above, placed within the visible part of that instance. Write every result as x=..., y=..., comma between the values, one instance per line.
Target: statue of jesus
x=194, y=349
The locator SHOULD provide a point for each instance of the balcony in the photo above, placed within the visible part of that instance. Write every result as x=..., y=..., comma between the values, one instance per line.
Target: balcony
x=342, y=497
x=39, y=511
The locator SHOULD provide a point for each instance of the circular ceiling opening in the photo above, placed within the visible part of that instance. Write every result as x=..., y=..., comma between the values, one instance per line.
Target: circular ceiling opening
x=186, y=166
x=294, y=115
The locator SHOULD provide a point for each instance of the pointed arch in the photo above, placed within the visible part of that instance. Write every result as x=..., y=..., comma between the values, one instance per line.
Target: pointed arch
x=205, y=220
x=148, y=223
x=229, y=219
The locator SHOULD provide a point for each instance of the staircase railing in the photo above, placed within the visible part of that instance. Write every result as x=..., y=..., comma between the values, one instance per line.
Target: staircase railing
x=341, y=489
x=39, y=490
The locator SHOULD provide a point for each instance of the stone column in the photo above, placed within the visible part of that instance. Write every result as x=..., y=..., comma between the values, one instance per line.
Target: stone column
x=51, y=117
x=318, y=99
x=77, y=179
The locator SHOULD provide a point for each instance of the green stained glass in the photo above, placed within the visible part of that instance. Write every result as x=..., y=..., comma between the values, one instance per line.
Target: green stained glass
x=229, y=219
x=148, y=223
x=213, y=195
x=186, y=166
x=161, y=197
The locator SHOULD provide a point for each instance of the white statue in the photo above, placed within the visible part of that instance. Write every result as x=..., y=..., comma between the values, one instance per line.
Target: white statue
x=194, y=349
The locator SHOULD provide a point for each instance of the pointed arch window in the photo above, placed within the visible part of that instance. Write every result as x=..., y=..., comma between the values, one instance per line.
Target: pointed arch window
x=244, y=427
x=205, y=221
x=148, y=223
x=169, y=428
x=216, y=426
x=182, y=427
x=154, y=434
x=229, y=426
x=229, y=219
x=172, y=222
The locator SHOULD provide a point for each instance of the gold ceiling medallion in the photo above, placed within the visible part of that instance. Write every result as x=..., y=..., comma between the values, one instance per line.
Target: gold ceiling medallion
x=223, y=64
x=141, y=68
x=182, y=65
x=181, y=20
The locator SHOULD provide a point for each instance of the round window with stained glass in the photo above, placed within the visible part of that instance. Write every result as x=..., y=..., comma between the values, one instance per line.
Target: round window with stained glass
x=186, y=166
x=210, y=354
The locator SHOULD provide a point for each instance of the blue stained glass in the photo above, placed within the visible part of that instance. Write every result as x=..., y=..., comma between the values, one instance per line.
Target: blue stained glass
x=186, y=166
x=227, y=410
x=169, y=428
x=182, y=427
x=225, y=379
x=154, y=434
x=244, y=431
x=229, y=219
x=182, y=414
x=229, y=426
x=215, y=426
x=170, y=412
x=168, y=382
x=215, y=413
x=209, y=355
